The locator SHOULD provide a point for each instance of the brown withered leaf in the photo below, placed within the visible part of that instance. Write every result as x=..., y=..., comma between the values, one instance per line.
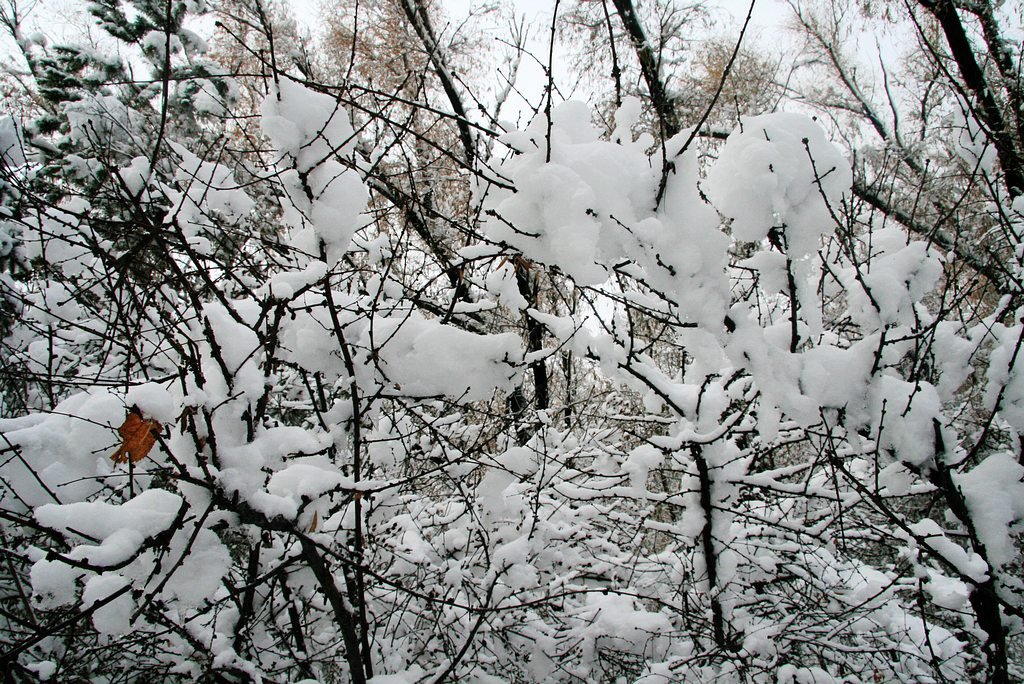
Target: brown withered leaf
x=138, y=435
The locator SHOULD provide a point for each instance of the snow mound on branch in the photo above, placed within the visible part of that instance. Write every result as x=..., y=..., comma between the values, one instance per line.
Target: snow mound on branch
x=779, y=170
x=149, y=513
x=114, y=617
x=154, y=401
x=590, y=207
x=246, y=465
x=117, y=534
x=325, y=199
x=622, y=621
x=902, y=273
x=117, y=530
x=570, y=209
x=62, y=451
x=305, y=125
x=421, y=357
x=995, y=497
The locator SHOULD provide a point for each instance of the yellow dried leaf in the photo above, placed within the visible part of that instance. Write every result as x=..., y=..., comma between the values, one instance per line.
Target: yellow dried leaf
x=138, y=435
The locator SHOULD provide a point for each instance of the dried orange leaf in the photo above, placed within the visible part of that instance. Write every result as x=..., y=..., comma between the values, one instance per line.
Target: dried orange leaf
x=138, y=435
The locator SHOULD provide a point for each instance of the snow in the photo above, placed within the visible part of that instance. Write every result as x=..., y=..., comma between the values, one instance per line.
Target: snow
x=120, y=530
x=639, y=463
x=210, y=193
x=12, y=147
x=45, y=669
x=733, y=348
x=501, y=283
x=307, y=480
x=60, y=239
x=570, y=211
x=619, y=620
x=155, y=402
x=902, y=274
x=410, y=676
x=1005, y=387
x=285, y=285
x=948, y=592
x=53, y=583
x=419, y=357
x=994, y=493
x=245, y=467
x=779, y=171
x=312, y=133
x=155, y=44
x=113, y=617
x=201, y=572
x=149, y=513
x=238, y=346
x=136, y=175
x=209, y=101
x=791, y=674
x=935, y=541
x=975, y=147
x=61, y=449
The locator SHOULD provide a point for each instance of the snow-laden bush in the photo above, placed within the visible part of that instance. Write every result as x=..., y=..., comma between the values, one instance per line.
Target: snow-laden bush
x=613, y=409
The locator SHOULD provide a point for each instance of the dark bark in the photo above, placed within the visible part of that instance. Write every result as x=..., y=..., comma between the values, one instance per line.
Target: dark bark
x=984, y=599
x=707, y=541
x=417, y=15
x=359, y=670
x=650, y=68
x=987, y=265
x=987, y=108
x=517, y=402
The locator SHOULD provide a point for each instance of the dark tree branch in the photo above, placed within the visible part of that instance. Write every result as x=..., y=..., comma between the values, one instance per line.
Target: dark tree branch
x=663, y=103
x=416, y=13
x=977, y=83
